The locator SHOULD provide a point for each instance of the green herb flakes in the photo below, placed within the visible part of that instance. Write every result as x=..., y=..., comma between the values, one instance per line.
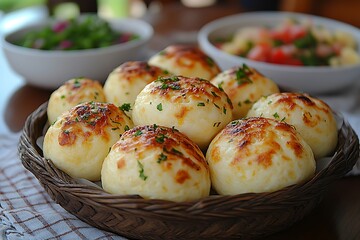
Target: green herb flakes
x=159, y=107
x=162, y=157
x=160, y=138
x=141, y=171
x=125, y=107
x=138, y=133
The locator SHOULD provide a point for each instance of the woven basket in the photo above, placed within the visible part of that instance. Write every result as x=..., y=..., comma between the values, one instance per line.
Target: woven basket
x=244, y=216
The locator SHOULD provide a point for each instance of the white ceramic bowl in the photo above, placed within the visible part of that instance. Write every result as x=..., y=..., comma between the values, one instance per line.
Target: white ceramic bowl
x=313, y=80
x=51, y=68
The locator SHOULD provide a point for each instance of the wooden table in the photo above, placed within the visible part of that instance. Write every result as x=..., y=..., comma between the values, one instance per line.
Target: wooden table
x=337, y=217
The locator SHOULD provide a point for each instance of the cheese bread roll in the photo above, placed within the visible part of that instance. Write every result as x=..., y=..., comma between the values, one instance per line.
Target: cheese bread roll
x=244, y=86
x=156, y=163
x=126, y=81
x=188, y=61
x=193, y=105
x=258, y=155
x=71, y=93
x=78, y=142
x=310, y=116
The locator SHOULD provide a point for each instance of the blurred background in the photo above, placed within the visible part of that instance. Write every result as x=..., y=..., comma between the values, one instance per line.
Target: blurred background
x=181, y=13
x=343, y=10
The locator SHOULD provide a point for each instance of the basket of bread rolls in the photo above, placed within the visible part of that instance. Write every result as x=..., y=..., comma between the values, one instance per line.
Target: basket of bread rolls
x=176, y=148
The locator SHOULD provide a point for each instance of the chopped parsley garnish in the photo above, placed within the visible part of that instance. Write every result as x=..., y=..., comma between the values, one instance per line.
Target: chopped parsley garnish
x=201, y=104
x=220, y=86
x=77, y=83
x=162, y=157
x=175, y=87
x=138, y=133
x=242, y=75
x=125, y=107
x=164, y=86
x=276, y=115
x=173, y=150
x=214, y=94
x=141, y=171
x=159, y=107
x=126, y=128
x=247, y=101
x=160, y=138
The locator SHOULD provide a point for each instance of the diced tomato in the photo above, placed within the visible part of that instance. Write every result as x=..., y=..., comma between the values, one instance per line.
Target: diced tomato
x=337, y=47
x=289, y=34
x=260, y=52
x=297, y=31
x=278, y=56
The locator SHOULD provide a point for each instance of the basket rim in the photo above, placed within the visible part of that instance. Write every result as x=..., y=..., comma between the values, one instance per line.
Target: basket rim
x=211, y=207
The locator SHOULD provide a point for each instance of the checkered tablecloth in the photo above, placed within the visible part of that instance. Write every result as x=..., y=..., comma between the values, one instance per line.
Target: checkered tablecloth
x=26, y=210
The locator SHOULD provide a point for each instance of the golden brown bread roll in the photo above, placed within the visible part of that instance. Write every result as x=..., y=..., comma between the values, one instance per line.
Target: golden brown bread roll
x=126, y=81
x=71, y=93
x=244, y=86
x=258, y=155
x=310, y=116
x=156, y=163
x=193, y=105
x=187, y=61
x=78, y=142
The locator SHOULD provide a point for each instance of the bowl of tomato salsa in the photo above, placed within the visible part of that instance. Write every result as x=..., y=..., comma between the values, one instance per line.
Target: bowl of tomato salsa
x=300, y=52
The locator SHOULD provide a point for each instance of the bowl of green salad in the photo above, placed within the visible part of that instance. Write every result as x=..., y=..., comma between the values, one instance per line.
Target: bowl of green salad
x=47, y=54
x=300, y=52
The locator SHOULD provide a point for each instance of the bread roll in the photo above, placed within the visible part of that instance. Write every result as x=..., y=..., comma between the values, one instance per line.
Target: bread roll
x=126, y=81
x=310, y=116
x=193, y=105
x=258, y=155
x=78, y=142
x=156, y=163
x=244, y=86
x=187, y=61
x=71, y=93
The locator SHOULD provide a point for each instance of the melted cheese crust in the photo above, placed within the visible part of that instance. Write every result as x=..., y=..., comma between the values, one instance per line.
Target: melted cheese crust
x=71, y=93
x=187, y=61
x=258, y=155
x=78, y=142
x=156, y=163
x=244, y=86
x=126, y=81
x=310, y=116
x=193, y=105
